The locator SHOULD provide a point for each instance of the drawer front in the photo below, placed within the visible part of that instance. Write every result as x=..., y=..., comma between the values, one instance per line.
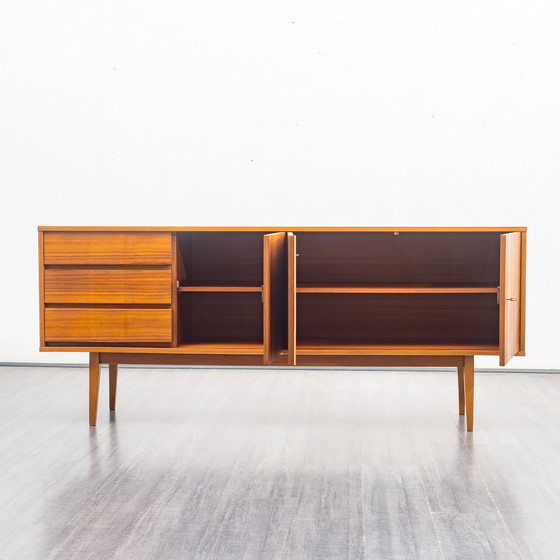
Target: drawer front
x=108, y=325
x=64, y=285
x=107, y=248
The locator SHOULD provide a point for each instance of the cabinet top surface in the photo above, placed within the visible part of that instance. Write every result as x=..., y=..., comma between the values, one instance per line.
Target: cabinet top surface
x=275, y=229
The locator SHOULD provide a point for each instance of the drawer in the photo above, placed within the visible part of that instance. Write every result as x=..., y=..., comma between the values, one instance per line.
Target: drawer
x=65, y=285
x=90, y=325
x=107, y=248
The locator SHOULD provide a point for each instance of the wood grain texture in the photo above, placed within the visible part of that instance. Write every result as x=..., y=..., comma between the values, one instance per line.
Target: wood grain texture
x=468, y=370
x=510, y=294
x=248, y=356
x=328, y=348
x=93, y=387
x=135, y=286
x=113, y=375
x=380, y=360
x=173, y=283
x=41, y=292
x=90, y=325
x=279, y=228
x=364, y=296
x=292, y=298
x=461, y=388
x=523, y=295
x=387, y=289
x=107, y=248
x=274, y=296
x=258, y=289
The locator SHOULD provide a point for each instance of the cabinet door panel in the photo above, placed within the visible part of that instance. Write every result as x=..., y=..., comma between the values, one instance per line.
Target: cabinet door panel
x=274, y=295
x=292, y=256
x=510, y=294
x=89, y=325
x=64, y=285
x=107, y=248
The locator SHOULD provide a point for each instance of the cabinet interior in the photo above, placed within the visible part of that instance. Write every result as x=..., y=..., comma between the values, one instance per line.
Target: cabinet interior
x=380, y=288
x=220, y=278
x=405, y=258
x=397, y=289
x=396, y=319
x=228, y=259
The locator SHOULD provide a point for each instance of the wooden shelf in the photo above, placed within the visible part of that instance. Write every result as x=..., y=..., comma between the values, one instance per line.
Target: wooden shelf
x=256, y=289
x=392, y=289
x=221, y=348
x=327, y=348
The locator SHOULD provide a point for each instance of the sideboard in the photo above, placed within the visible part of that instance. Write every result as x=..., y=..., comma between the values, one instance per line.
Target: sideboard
x=305, y=296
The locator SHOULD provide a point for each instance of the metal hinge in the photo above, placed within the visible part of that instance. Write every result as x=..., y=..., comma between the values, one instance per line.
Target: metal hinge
x=498, y=295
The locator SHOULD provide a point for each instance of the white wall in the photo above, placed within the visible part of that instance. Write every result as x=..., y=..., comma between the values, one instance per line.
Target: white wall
x=287, y=113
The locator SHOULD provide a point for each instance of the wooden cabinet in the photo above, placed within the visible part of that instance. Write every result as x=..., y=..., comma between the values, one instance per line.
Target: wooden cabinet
x=286, y=296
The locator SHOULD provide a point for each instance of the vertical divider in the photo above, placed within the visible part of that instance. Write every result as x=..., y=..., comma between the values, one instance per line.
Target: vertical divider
x=41, y=292
x=274, y=295
x=180, y=278
x=292, y=284
x=174, y=292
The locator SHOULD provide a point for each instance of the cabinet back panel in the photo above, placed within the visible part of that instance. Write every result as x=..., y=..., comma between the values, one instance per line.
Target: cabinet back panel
x=398, y=318
x=223, y=258
x=221, y=317
x=463, y=258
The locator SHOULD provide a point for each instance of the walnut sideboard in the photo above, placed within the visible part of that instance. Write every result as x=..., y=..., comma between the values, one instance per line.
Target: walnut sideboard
x=305, y=296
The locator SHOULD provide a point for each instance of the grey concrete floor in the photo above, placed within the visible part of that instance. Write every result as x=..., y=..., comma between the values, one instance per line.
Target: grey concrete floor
x=269, y=464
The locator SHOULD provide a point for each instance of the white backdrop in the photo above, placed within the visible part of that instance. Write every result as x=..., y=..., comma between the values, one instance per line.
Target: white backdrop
x=287, y=113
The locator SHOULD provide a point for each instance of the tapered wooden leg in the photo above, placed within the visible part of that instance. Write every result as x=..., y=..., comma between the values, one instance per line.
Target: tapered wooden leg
x=113, y=371
x=469, y=391
x=93, y=387
x=461, y=383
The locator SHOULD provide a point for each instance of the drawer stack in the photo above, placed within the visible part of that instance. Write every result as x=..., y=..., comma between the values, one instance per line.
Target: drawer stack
x=107, y=288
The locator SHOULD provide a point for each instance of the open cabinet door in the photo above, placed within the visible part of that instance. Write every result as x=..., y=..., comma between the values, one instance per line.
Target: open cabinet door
x=292, y=299
x=510, y=295
x=274, y=296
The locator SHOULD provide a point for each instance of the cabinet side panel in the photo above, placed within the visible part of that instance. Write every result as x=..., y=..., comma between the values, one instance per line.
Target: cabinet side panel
x=41, y=292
